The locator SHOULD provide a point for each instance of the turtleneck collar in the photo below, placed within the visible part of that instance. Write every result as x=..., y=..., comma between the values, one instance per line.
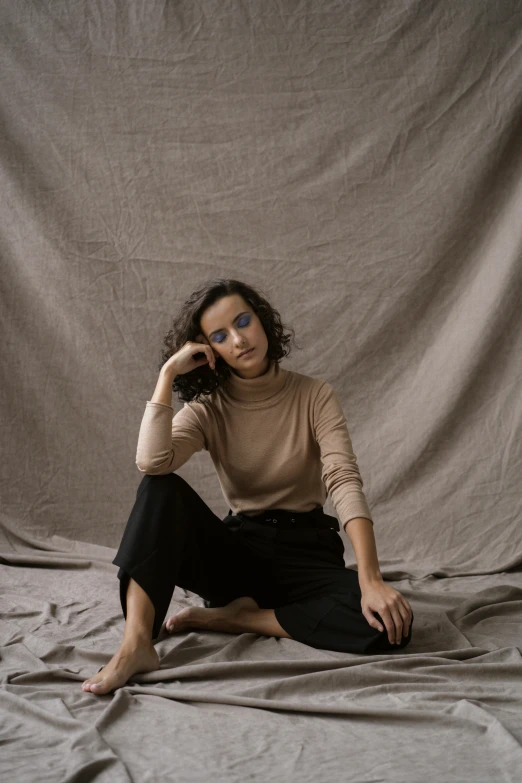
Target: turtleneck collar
x=256, y=392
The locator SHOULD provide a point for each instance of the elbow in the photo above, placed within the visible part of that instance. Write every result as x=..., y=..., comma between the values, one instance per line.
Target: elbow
x=151, y=468
x=143, y=464
x=146, y=467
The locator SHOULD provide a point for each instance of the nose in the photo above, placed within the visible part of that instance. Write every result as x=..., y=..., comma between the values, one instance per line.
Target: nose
x=238, y=340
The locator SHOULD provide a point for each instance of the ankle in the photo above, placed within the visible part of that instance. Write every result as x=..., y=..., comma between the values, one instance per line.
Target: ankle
x=134, y=638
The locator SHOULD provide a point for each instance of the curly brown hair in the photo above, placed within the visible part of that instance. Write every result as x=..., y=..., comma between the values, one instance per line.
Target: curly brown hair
x=186, y=326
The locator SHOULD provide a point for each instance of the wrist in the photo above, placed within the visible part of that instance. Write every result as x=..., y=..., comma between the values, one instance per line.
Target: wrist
x=169, y=371
x=368, y=577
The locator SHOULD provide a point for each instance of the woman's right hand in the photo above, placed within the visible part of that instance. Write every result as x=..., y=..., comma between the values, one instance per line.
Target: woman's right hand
x=184, y=361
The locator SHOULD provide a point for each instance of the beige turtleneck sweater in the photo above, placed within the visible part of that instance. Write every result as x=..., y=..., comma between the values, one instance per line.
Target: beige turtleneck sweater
x=277, y=441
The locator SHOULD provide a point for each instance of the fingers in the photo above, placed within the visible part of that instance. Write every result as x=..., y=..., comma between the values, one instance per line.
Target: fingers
x=407, y=617
x=400, y=618
x=397, y=619
x=209, y=351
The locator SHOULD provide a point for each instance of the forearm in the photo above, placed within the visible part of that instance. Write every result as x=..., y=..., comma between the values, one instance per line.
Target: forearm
x=163, y=390
x=360, y=532
x=154, y=450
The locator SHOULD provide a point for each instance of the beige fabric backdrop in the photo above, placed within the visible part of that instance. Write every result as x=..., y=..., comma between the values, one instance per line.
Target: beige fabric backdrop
x=362, y=164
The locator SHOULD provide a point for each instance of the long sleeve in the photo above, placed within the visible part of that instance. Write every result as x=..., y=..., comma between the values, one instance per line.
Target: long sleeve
x=340, y=472
x=165, y=442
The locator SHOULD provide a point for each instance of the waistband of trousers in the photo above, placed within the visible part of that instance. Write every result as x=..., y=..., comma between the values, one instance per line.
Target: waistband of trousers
x=291, y=520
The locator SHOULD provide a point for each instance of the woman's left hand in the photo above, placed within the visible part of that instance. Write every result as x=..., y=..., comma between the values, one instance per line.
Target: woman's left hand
x=394, y=609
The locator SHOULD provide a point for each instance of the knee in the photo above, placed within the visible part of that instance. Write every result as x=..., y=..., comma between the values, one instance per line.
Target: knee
x=157, y=477
x=162, y=485
x=163, y=480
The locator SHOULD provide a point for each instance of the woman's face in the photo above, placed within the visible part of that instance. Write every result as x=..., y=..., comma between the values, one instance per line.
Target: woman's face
x=231, y=326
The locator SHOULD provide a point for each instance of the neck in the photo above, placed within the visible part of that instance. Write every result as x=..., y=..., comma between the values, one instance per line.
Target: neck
x=262, y=371
x=263, y=388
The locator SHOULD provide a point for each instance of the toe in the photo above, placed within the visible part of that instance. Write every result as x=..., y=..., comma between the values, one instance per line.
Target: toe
x=178, y=621
x=101, y=687
x=92, y=680
x=97, y=687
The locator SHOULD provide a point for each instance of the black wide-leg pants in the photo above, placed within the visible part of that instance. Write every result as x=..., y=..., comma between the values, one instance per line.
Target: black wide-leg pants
x=294, y=566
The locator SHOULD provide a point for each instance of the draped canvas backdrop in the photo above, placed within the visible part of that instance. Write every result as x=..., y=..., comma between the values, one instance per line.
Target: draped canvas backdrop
x=361, y=164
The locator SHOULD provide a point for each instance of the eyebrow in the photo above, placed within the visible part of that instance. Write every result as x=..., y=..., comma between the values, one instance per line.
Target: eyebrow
x=245, y=312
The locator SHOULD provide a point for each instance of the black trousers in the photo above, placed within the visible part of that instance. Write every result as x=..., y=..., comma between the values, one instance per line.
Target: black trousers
x=291, y=562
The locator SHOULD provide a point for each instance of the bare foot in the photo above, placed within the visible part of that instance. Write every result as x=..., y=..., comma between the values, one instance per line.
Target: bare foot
x=128, y=660
x=220, y=618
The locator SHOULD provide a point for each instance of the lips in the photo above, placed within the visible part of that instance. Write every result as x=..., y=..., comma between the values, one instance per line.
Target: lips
x=246, y=352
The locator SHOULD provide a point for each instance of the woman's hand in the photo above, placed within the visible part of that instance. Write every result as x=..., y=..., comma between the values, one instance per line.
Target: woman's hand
x=394, y=609
x=185, y=360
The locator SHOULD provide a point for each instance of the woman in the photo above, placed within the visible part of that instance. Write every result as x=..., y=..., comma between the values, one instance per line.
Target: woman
x=279, y=442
